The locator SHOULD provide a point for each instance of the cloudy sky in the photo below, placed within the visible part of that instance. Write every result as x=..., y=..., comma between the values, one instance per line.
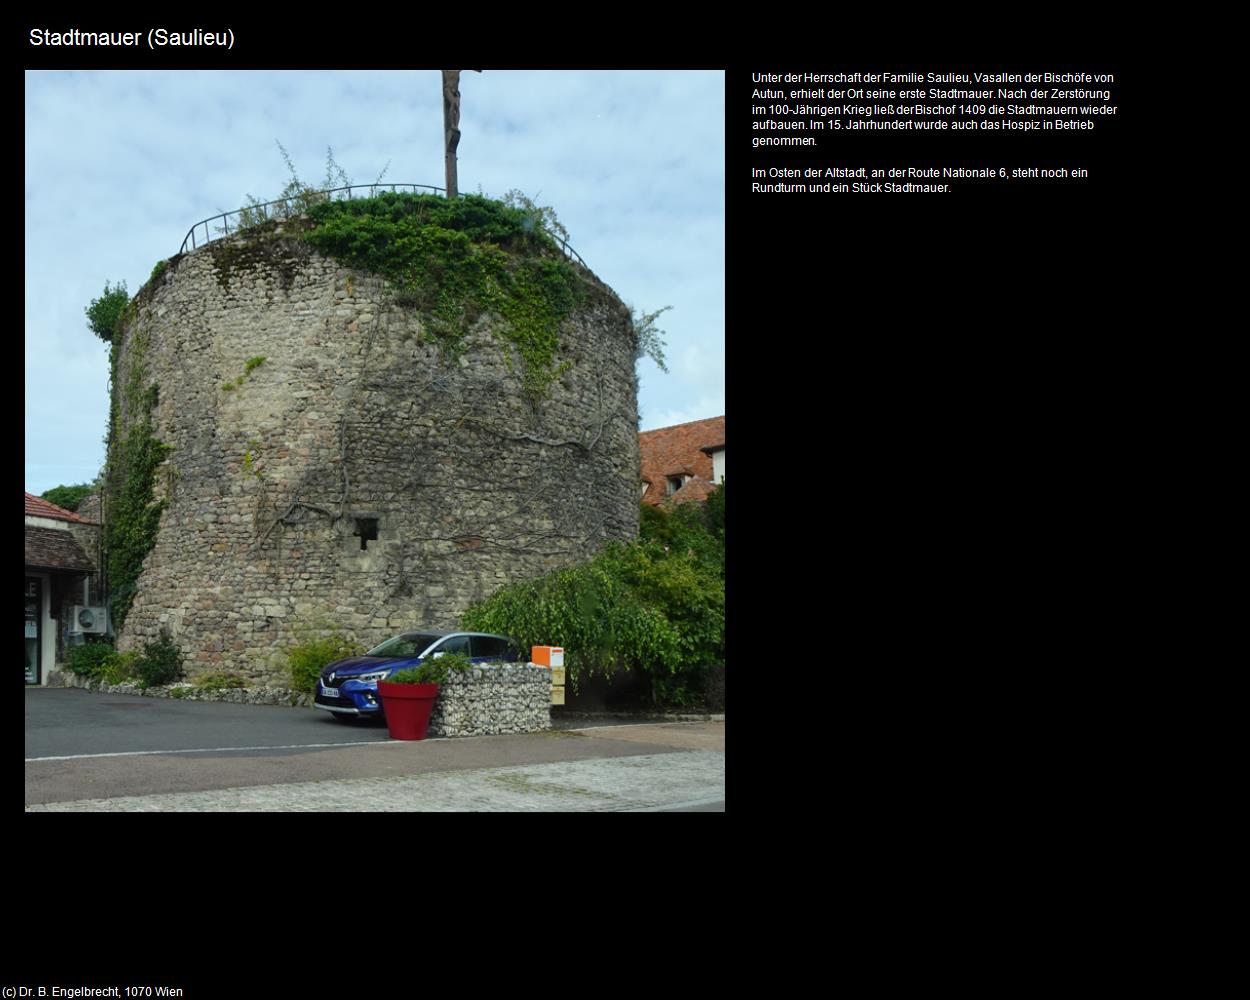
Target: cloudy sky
x=120, y=164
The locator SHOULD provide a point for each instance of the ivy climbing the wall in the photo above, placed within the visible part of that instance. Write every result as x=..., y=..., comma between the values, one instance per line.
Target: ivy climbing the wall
x=457, y=259
x=133, y=514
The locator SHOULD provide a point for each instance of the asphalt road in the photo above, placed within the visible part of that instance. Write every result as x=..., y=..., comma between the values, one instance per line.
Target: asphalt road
x=73, y=721
x=89, y=752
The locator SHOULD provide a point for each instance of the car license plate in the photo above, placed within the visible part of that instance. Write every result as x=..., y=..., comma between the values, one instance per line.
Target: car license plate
x=329, y=692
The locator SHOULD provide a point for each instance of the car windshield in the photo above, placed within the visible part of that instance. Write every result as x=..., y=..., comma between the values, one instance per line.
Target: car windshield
x=409, y=644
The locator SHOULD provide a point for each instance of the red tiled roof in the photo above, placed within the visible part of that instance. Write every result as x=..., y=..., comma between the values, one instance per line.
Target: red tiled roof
x=695, y=489
x=675, y=451
x=55, y=548
x=39, y=507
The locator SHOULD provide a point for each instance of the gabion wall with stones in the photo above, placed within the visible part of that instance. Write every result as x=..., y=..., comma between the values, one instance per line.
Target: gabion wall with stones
x=486, y=701
x=356, y=478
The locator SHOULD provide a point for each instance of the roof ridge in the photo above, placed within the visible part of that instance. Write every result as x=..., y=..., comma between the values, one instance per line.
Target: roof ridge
x=686, y=423
x=46, y=508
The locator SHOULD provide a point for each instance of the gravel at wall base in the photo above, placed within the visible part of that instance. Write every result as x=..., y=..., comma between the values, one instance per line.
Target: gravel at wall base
x=187, y=692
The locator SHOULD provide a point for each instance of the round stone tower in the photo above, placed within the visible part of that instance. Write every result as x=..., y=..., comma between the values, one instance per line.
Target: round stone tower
x=324, y=462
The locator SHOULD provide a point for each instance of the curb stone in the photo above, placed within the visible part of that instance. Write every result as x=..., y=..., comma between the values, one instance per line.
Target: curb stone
x=643, y=716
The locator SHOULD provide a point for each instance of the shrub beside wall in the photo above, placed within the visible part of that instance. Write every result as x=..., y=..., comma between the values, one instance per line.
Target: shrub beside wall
x=307, y=658
x=656, y=606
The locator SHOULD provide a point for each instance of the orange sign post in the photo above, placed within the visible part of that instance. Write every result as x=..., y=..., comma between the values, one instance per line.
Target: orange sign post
x=551, y=657
x=548, y=656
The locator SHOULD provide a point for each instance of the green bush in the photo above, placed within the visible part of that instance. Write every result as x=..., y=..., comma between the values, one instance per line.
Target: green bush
x=306, y=658
x=714, y=515
x=633, y=607
x=120, y=669
x=688, y=592
x=432, y=671
x=104, y=313
x=90, y=659
x=697, y=528
x=219, y=680
x=160, y=662
x=656, y=606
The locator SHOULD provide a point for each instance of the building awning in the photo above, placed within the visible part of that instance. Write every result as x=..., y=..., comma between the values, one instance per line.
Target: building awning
x=50, y=549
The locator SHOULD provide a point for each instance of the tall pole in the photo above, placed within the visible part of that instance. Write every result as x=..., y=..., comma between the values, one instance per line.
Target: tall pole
x=451, y=126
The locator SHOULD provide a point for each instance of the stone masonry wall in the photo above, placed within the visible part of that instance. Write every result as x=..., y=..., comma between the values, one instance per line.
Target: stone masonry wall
x=489, y=700
x=355, y=423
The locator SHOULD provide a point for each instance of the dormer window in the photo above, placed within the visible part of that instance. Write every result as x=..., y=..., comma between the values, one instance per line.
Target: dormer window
x=675, y=483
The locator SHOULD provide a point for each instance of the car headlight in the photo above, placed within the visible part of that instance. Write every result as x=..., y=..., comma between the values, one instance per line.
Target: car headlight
x=381, y=675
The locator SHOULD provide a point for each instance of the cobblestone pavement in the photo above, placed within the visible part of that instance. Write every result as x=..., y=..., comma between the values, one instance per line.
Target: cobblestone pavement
x=690, y=778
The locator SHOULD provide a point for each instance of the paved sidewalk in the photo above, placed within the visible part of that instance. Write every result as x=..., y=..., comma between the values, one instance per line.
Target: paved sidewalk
x=649, y=782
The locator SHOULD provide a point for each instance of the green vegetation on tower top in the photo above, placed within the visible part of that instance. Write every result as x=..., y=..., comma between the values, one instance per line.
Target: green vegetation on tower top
x=458, y=259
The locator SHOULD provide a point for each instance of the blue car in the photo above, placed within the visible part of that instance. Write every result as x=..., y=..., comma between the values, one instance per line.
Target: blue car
x=348, y=689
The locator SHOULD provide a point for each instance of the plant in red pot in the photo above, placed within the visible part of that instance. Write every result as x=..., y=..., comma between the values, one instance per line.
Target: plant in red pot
x=408, y=696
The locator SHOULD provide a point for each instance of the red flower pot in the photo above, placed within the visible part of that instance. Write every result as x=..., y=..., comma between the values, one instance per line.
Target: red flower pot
x=407, y=708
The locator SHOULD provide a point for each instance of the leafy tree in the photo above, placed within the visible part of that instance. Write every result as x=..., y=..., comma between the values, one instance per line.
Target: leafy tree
x=656, y=605
x=104, y=314
x=714, y=514
x=696, y=528
x=68, y=497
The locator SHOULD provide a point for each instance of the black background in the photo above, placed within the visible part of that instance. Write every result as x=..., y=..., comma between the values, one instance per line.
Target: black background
x=935, y=415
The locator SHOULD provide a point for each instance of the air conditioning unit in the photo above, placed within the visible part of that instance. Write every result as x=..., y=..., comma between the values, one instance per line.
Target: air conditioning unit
x=91, y=620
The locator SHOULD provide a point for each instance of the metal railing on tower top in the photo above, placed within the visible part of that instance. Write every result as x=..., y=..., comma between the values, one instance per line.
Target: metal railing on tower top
x=218, y=226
